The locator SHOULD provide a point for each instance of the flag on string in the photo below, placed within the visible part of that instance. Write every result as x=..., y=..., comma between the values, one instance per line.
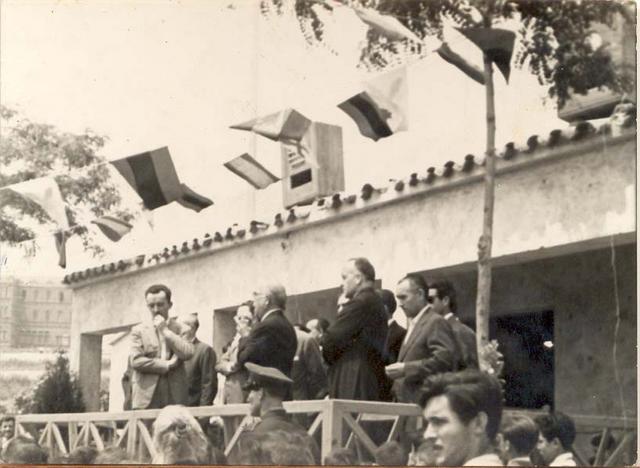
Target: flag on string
x=496, y=43
x=112, y=227
x=386, y=25
x=464, y=64
x=288, y=124
x=61, y=246
x=193, y=200
x=45, y=192
x=382, y=108
x=251, y=170
x=152, y=175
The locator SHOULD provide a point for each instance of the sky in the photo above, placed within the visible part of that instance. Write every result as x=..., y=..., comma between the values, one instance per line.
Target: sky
x=159, y=73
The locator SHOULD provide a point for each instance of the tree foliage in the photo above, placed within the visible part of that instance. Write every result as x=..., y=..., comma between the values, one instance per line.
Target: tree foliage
x=553, y=34
x=29, y=150
x=57, y=391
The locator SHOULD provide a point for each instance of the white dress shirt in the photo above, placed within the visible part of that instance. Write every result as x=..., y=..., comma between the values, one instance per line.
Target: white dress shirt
x=411, y=323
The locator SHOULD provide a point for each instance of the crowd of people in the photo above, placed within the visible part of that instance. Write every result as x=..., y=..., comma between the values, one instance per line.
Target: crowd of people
x=364, y=354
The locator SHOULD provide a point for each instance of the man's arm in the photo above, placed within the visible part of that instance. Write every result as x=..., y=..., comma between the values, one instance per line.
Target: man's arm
x=254, y=347
x=143, y=363
x=340, y=335
x=441, y=349
x=209, y=380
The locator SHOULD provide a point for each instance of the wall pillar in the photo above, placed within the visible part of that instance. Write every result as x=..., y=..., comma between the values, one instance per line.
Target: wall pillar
x=90, y=360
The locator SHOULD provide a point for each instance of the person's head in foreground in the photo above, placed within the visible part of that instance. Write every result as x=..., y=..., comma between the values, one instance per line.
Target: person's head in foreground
x=178, y=438
x=391, y=454
x=462, y=412
x=274, y=448
x=341, y=456
x=7, y=427
x=517, y=438
x=23, y=450
x=557, y=433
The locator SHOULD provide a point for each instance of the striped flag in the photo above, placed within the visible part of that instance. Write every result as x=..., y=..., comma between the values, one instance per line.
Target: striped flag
x=153, y=177
x=112, y=227
x=382, y=108
x=45, y=192
x=288, y=124
x=386, y=25
x=471, y=70
x=251, y=170
x=60, y=238
x=496, y=43
x=193, y=200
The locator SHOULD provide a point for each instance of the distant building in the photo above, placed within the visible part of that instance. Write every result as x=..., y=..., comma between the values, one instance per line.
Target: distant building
x=34, y=314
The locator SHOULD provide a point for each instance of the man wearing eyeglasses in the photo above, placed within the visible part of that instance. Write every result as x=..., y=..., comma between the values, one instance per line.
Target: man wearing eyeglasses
x=272, y=341
x=429, y=347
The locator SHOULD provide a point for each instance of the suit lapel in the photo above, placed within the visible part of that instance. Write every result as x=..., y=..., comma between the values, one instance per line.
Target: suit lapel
x=414, y=334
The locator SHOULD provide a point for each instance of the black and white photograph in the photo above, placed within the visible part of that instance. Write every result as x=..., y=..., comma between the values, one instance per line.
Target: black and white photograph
x=318, y=232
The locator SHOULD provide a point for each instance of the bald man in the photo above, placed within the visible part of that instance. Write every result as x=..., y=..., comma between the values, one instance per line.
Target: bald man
x=272, y=341
x=201, y=375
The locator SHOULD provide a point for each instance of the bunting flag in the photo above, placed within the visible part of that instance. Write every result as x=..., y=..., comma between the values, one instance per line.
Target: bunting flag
x=153, y=177
x=112, y=227
x=193, y=200
x=496, y=43
x=45, y=192
x=251, y=170
x=456, y=59
x=61, y=246
x=288, y=124
x=386, y=25
x=382, y=109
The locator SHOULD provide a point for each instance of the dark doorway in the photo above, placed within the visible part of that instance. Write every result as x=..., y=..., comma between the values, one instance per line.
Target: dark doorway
x=526, y=342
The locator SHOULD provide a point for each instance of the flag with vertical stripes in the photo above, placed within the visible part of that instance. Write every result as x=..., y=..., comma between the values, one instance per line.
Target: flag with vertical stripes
x=112, y=227
x=152, y=175
x=193, y=200
x=251, y=170
x=60, y=238
x=464, y=64
x=45, y=192
x=382, y=108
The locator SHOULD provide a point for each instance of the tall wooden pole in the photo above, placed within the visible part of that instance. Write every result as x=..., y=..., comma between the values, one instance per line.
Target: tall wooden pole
x=483, y=299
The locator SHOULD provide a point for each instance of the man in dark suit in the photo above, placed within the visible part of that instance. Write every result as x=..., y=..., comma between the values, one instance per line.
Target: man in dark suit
x=201, y=376
x=395, y=336
x=429, y=346
x=157, y=355
x=444, y=303
x=353, y=346
x=272, y=341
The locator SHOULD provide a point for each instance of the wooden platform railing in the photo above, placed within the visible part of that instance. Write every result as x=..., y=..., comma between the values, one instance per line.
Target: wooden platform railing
x=334, y=423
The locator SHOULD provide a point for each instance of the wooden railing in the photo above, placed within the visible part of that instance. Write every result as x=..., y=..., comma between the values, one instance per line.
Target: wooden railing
x=334, y=423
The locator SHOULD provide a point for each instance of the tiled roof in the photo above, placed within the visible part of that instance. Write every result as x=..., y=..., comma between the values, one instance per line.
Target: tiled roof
x=339, y=203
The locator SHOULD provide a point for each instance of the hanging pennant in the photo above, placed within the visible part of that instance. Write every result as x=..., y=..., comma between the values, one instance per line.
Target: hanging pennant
x=496, y=43
x=112, y=227
x=45, y=192
x=251, y=170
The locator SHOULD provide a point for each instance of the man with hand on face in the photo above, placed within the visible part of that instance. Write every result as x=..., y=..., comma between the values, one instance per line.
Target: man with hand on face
x=354, y=345
x=157, y=355
x=429, y=346
x=272, y=341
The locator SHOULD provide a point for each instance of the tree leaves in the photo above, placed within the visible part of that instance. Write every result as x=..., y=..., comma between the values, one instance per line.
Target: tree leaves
x=29, y=150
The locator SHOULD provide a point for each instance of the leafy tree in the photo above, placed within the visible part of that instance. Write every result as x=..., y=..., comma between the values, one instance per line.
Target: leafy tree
x=29, y=150
x=57, y=391
x=553, y=43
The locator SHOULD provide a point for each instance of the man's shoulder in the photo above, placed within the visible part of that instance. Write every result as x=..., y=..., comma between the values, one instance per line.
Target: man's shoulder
x=141, y=328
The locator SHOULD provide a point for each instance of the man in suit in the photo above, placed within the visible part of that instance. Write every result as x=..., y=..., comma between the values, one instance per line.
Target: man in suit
x=308, y=373
x=272, y=341
x=201, y=376
x=429, y=346
x=157, y=355
x=395, y=336
x=353, y=346
x=443, y=301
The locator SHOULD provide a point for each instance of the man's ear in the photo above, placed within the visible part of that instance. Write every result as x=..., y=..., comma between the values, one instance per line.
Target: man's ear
x=480, y=422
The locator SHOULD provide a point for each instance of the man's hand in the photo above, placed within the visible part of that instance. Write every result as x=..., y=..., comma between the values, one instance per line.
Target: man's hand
x=225, y=367
x=173, y=362
x=159, y=322
x=395, y=371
